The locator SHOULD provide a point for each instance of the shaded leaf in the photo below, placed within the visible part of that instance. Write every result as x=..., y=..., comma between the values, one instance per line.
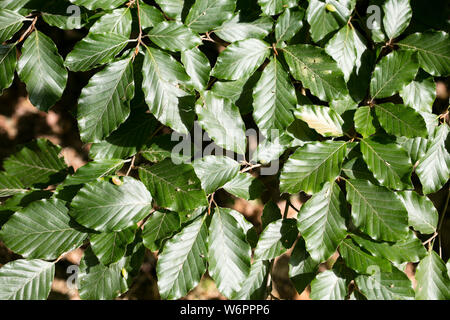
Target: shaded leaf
x=228, y=130
x=42, y=230
x=422, y=215
x=276, y=239
x=321, y=222
x=42, y=69
x=377, y=211
x=389, y=163
x=159, y=226
x=175, y=187
x=393, y=72
x=317, y=71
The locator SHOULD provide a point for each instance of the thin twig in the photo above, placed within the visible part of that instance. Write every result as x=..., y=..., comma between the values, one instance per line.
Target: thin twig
x=292, y=206
x=29, y=30
x=131, y=165
x=430, y=239
x=139, y=39
x=210, y=203
x=251, y=167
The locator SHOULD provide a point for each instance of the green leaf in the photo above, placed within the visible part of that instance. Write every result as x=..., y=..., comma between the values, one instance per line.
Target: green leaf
x=166, y=101
x=268, y=150
x=422, y=215
x=397, y=15
x=356, y=168
x=399, y=120
x=228, y=130
x=183, y=260
x=271, y=213
x=311, y=166
x=42, y=69
x=93, y=170
x=98, y=4
x=274, y=99
x=416, y=147
x=322, y=119
x=42, y=230
x=321, y=222
x=244, y=186
x=118, y=21
x=433, y=51
x=420, y=95
x=240, y=59
x=174, y=36
x=8, y=62
x=302, y=268
x=14, y=5
x=10, y=185
x=364, y=121
x=393, y=72
x=393, y=285
x=343, y=105
x=35, y=163
x=432, y=279
x=329, y=285
x=232, y=30
x=172, y=8
x=26, y=280
x=100, y=282
x=95, y=50
x=229, y=253
x=175, y=187
x=322, y=22
x=103, y=206
x=360, y=261
x=110, y=91
x=255, y=285
x=316, y=70
x=165, y=146
x=389, y=163
x=347, y=47
x=215, y=171
x=273, y=7
x=18, y=201
x=288, y=24
x=408, y=250
x=110, y=247
x=276, y=239
x=150, y=15
x=433, y=168
x=128, y=139
x=377, y=211
x=197, y=67
x=159, y=226
x=206, y=15
x=10, y=23
x=238, y=91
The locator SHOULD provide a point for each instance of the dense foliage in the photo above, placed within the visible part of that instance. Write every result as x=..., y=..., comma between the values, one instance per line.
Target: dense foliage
x=341, y=90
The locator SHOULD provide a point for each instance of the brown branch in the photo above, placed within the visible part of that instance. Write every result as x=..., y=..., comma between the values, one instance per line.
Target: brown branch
x=29, y=30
